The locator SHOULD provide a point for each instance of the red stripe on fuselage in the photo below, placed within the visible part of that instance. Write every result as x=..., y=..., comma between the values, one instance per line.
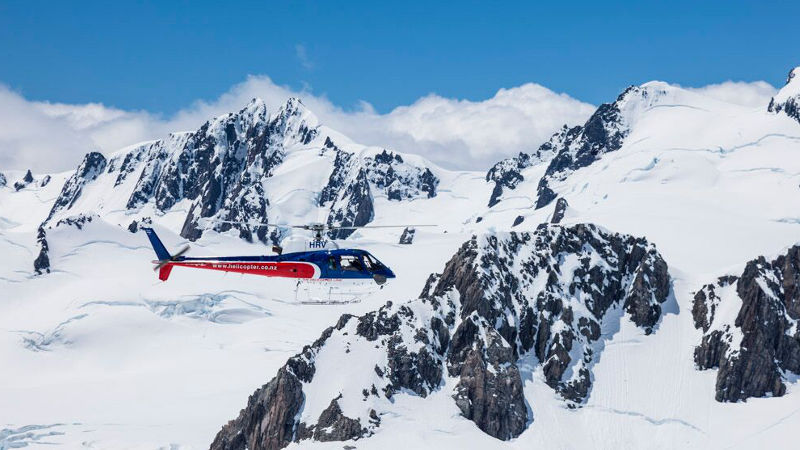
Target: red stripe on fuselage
x=268, y=269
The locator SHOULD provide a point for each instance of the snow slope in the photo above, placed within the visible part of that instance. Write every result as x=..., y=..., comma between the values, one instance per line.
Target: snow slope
x=98, y=354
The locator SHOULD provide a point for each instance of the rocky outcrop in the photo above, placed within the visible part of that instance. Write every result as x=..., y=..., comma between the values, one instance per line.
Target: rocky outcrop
x=354, y=181
x=507, y=174
x=92, y=166
x=500, y=298
x=787, y=100
x=399, y=180
x=559, y=210
x=562, y=316
x=41, y=264
x=750, y=328
x=26, y=180
x=407, y=238
x=3, y=180
x=489, y=390
x=268, y=421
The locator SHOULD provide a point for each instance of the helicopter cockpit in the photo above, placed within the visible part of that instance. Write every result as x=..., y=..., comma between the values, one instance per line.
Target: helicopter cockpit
x=351, y=263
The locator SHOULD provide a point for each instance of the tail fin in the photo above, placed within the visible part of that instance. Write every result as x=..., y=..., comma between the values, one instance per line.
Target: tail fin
x=161, y=251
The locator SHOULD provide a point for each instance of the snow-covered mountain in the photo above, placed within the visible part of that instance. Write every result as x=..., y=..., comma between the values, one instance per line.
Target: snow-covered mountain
x=597, y=322
x=228, y=171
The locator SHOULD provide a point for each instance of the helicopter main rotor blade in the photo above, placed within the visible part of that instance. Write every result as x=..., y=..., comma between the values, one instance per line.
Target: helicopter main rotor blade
x=179, y=253
x=334, y=227
x=318, y=226
x=261, y=224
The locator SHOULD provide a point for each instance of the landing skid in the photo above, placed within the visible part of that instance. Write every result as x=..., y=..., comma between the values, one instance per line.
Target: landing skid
x=329, y=302
x=331, y=293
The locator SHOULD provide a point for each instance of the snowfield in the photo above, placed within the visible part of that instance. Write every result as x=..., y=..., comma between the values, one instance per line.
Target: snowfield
x=100, y=354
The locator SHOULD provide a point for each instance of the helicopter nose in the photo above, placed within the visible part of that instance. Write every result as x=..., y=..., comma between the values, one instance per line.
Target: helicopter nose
x=382, y=276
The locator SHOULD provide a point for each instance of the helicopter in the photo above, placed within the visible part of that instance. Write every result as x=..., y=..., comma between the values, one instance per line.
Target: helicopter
x=322, y=260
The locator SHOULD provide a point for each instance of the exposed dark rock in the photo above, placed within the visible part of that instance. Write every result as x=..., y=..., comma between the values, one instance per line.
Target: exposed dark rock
x=755, y=350
x=26, y=180
x=268, y=422
x=559, y=210
x=498, y=299
x=352, y=207
x=507, y=174
x=517, y=220
x=45, y=181
x=93, y=165
x=407, y=238
x=76, y=221
x=41, y=264
x=332, y=425
x=387, y=171
x=489, y=391
x=133, y=227
x=3, y=180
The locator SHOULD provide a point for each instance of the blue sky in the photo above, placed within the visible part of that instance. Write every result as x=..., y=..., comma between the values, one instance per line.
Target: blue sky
x=161, y=56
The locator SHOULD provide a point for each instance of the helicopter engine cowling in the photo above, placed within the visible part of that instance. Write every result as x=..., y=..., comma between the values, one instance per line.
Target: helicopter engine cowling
x=292, y=244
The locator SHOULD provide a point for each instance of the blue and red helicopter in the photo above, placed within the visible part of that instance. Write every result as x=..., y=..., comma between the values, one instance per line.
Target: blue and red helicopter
x=331, y=264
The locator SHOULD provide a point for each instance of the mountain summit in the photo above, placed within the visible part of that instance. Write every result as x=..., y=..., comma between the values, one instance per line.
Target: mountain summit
x=787, y=100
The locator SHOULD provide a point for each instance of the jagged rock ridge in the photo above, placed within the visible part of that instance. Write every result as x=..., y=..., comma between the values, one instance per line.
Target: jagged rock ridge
x=750, y=328
x=90, y=168
x=543, y=295
x=507, y=174
x=349, y=191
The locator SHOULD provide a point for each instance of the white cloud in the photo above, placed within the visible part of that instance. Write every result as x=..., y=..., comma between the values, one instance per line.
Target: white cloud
x=754, y=94
x=302, y=56
x=455, y=133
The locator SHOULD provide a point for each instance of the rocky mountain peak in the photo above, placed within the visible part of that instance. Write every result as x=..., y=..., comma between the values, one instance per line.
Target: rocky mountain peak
x=787, y=100
x=295, y=121
x=570, y=149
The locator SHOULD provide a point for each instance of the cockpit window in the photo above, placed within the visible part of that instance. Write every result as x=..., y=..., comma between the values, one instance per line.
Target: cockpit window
x=371, y=262
x=350, y=262
x=367, y=263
